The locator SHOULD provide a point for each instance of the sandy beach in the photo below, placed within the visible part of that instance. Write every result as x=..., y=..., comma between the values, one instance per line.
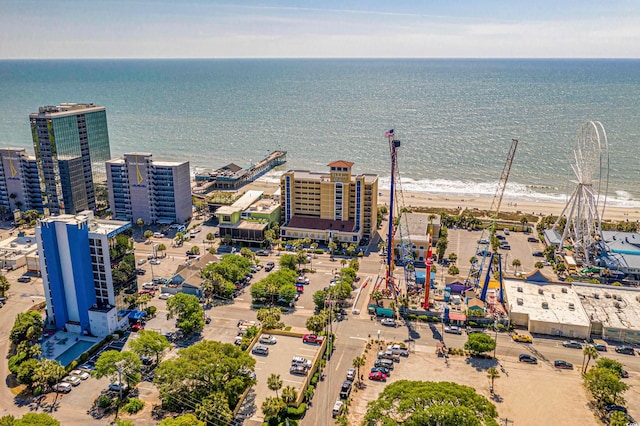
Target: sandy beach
x=419, y=199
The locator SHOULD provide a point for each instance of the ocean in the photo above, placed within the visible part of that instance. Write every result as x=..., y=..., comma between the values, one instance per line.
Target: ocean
x=455, y=118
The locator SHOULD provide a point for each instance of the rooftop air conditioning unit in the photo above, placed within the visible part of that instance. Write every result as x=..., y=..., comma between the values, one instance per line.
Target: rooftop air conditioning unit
x=564, y=290
x=596, y=296
x=607, y=295
x=545, y=305
x=616, y=304
x=520, y=301
x=572, y=307
x=540, y=291
x=519, y=289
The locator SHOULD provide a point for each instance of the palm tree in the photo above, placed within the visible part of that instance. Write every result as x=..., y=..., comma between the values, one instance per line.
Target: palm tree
x=492, y=374
x=343, y=262
x=516, y=264
x=524, y=222
x=140, y=223
x=332, y=246
x=4, y=284
x=358, y=362
x=289, y=394
x=381, y=246
x=274, y=383
x=539, y=265
x=589, y=352
x=272, y=407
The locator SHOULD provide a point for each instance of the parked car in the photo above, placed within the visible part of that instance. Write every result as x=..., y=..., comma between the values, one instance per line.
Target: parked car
x=299, y=370
x=149, y=286
x=399, y=350
x=154, y=262
x=238, y=340
x=572, y=344
x=146, y=291
x=312, y=338
x=73, y=380
x=627, y=350
x=383, y=370
x=378, y=376
x=62, y=387
x=165, y=296
x=260, y=350
x=599, y=347
x=386, y=363
x=262, y=253
x=529, y=359
x=24, y=279
x=142, y=262
x=337, y=408
x=389, y=355
x=146, y=360
x=522, y=338
x=483, y=241
x=116, y=386
x=500, y=237
x=533, y=240
x=537, y=254
x=351, y=374
x=244, y=324
x=137, y=327
x=158, y=235
x=345, y=389
x=81, y=374
x=453, y=329
x=268, y=339
x=389, y=322
x=624, y=374
x=269, y=266
x=298, y=360
x=505, y=246
x=140, y=271
x=610, y=408
x=563, y=365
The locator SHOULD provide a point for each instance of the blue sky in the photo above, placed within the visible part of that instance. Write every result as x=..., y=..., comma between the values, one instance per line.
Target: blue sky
x=293, y=29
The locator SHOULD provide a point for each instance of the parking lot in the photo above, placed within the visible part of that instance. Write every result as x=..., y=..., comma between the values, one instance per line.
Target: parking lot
x=279, y=362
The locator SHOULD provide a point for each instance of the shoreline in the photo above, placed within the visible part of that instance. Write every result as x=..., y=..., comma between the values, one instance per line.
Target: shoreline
x=421, y=199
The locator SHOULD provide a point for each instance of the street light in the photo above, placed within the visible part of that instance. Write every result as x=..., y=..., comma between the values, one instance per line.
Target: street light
x=495, y=327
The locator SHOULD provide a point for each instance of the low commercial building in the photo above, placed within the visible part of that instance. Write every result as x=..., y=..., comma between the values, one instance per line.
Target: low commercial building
x=415, y=228
x=16, y=252
x=546, y=308
x=614, y=312
x=247, y=219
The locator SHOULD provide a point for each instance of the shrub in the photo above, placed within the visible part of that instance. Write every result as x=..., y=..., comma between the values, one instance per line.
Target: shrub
x=314, y=379
x=133, y=406
x=412, y=317
x=423, y=318
x=104, y=401
x=287, y=328
x=296, y=413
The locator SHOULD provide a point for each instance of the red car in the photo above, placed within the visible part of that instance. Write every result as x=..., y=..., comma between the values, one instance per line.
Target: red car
x=313, y=338
x=149, y=292
x=137, y=327
x=378, y=376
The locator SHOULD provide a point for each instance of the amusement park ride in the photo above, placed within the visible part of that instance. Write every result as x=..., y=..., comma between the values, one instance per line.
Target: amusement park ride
x=395, y=232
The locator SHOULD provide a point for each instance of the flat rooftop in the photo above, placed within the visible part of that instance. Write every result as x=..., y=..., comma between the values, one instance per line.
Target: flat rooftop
x=614, y=307
x=65, y=109
x=104, y=227
x=562, y=303
x=417, y=224
x=325, y=176
x=247, y=199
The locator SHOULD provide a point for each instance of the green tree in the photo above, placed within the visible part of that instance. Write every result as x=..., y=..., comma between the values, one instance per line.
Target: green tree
x=162, y=248
x=332, y=246
x=561, y=268
x=26, y=371
x=188, y=311
x=288, y=261
x=605, y=386
x=279, y=284
x=492, y=374
x=149, y=343
x=358, y=362
x=4, y=285
x=618, y=418
x=110, y=362
x=516, y=264
x=148, y=234
x=270, y=318
x=377, y=296
x=272, y=408
x=48, y=373
x=36, y=419
x=431, y=404
x=441, y=247
x=538, y=265
x=140, y=223
x=210, y=237
x=27, y=326
x=274, y=383
x=610, y=364
x=214, y=409
x=289, y=395
x=184, y=420
x=453, y=257
x=453, y=270
x=588, y=353
x=202, y=369
x=316, y=323
x=478, y=343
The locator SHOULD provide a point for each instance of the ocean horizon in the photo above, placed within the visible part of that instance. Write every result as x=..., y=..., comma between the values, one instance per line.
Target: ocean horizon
x=455, y=117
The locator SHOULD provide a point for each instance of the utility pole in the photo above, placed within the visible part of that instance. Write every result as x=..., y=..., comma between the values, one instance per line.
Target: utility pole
x=119, y=365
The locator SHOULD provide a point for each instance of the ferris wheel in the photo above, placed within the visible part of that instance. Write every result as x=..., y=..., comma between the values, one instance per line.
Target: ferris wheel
x=585, y=207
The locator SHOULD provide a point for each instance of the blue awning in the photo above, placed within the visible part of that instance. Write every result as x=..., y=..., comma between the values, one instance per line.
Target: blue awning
x=137, y=315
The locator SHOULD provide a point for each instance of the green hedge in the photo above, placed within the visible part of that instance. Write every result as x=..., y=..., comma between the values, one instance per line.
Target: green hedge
x=296, y=413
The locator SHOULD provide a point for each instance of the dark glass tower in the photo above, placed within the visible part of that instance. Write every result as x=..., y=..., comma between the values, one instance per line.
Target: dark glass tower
x=71, y=143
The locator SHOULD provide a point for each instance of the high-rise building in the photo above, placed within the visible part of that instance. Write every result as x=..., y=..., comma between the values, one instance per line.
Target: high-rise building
x=154, y=191
x=88, y=266
x=326, y=206
x=19, y=182
x=71, y=143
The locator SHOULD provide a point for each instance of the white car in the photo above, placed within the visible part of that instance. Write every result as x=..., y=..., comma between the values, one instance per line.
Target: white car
x=154, y=262
x=117, y=386
x=268, y=339
x=73, y=380
x=82, y=375
x=337, y=408
x=453, y=329
x=298, y=360
x=62, y=387
x=165, y=296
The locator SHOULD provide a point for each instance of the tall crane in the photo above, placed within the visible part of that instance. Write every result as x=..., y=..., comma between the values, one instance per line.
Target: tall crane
x=484, y=242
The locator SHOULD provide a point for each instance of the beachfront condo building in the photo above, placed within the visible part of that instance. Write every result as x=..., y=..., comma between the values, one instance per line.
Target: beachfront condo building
x=325, y=206
x=88, y=267
x=71, y=144
x=154, y=191
x=19, y=182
